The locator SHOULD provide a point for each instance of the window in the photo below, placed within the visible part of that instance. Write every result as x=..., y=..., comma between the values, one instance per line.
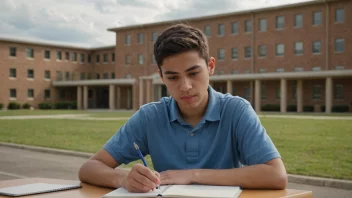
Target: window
x=140, y=38
x=46, y=93
x=12, y=73
x=89, y=76
x=247, y=93
x=262, y=70
x=98, y=76
x=105, y=58
x=128, y=39
x=67, y=76
x=207, y=30
x=112, y=75
x=67, y=56
x=298, y=48
x=83, y=76
x=339, y=15
x=12, y=51
x=47, y=54
x=221, y=54
x=298, y=21
x=30, y=52
x=338, y=92
x=221, y=30
x=97, y=58
x=47, y=74
x=73, y=76
x=294, y=91
x=82, y=56
x=59, y=75
x=280, y=22
x=280, y=70
x=262, y=50
x=113, y=57
x=62, y=94
x=30, y=73
x=234, y=53
x=316, y=18
x=234, y=28
x=30, y=93
x=262, y=25
x=127, y=59
x=316, y=47
x=339, y=45
x=247, y=52
x=154, y=36
x=263, y=92
x=89, y=58
x=140, y=59
x=106, y=75
x=316, y=92
x=74, y=56
x=316, y=68
x=297, y=69
x=58, y=55
x=280, y=49
x=278, y=92
x=339, y=67
x=248, y=26
x=13, y=93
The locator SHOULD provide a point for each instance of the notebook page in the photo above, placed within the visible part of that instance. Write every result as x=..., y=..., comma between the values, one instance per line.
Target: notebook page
x=35, y=188
x=202, y=191
x=122, y=192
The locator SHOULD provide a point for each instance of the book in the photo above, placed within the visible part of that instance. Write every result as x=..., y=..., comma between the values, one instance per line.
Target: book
x=35, y=188
x=187, y=191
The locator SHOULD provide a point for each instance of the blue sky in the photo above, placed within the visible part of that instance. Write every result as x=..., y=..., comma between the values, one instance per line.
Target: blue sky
x=85, y=22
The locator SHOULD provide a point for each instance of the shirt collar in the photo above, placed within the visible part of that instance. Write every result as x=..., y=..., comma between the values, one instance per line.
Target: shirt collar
x=212, y=113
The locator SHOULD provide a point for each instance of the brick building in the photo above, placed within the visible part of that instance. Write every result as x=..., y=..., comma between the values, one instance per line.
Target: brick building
x=298, y=54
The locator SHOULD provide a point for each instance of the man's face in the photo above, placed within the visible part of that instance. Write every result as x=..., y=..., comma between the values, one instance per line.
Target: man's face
x=186, y=77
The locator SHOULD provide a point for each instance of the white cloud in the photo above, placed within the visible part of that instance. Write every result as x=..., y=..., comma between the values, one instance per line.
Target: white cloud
x=85, y=22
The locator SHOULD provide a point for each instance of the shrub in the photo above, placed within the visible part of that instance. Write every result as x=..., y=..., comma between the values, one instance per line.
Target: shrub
x=270, y=107
x=308, y=108
x=1, y=105
x=322, y=108
x=26, y=106
x=340, y=108
x=13, y=105
x=45, y=105
x=66, y=105
x=292, y=108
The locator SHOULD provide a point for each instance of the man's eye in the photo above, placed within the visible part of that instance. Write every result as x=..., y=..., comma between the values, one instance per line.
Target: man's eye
x=172, y=78
x=193, y=73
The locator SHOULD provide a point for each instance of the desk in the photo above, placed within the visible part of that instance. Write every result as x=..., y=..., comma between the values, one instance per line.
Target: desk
x=93, y=191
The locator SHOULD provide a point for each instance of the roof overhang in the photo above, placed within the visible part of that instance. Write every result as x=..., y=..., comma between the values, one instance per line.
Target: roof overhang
x=102, y=82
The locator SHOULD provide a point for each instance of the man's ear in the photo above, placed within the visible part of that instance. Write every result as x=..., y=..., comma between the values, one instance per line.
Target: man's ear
x=211, y=66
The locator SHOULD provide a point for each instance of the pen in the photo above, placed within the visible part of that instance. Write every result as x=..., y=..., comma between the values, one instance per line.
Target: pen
x=142, y=158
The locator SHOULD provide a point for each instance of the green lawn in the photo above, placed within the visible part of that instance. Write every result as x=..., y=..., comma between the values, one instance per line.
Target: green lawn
x=308, y=147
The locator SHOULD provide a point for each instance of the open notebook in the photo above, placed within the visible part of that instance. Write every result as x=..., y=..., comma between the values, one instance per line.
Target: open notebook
x=201, y=191
x=35, y=188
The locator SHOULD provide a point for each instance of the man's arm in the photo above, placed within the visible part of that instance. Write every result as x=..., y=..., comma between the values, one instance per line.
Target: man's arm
x=271, y=175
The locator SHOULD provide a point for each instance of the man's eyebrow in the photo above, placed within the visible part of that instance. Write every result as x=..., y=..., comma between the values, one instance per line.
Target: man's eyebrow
x=187, y=70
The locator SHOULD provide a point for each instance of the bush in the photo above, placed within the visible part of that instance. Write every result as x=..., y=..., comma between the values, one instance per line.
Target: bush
x=340, y=108
x=270, y=107
x=322, y=108
x=1, y=105
x=13, y=105
x=308, y=108
x=292, y=108
x=66, y=105
x=26, y=106
x=45, y=105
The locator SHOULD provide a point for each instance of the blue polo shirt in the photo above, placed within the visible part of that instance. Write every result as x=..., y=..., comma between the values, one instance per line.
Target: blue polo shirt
x=229, y=134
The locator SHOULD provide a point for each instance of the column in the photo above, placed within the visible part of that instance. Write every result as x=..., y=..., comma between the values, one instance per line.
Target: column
x=118, y=97
x=79, y=97
x=85, y=97
x=140, y=92
x=257, y=96
x=149, y=90
x=328, y=95
x=299, y=96
x=283, y=102
x=159, y=91
x=229, y=87
x=111, y=97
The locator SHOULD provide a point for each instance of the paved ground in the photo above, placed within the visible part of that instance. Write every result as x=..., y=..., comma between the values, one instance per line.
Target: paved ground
x=19, y=163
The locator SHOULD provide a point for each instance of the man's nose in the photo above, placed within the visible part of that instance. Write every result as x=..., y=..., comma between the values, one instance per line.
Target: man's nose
x=185, y=84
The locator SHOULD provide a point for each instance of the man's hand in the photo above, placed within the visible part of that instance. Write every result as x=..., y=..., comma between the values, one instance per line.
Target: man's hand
x=176, y=177
x=141, y=179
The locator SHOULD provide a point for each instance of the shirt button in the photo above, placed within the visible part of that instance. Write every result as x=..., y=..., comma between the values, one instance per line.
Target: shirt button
x=192, y=134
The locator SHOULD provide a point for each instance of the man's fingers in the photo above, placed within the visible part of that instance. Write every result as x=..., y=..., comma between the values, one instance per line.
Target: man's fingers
x=140, y=187
x=149, y=174
x=141, y=178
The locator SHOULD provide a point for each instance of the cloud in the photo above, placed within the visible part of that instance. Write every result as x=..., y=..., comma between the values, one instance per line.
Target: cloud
x=86, y=21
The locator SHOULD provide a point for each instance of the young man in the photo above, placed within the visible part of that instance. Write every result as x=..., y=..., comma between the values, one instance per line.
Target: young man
x=197, y=135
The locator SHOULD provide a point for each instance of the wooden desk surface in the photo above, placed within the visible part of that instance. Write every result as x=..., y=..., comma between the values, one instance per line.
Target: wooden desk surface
x=93, y=191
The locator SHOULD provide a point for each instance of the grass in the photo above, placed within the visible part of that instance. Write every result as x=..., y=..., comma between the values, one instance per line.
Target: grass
x=308, y=147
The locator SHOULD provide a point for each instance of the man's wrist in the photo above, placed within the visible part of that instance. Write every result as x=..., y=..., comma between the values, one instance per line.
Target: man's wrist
x=195, y=175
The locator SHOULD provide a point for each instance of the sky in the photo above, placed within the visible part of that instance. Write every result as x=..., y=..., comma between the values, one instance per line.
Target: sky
x=85, y=22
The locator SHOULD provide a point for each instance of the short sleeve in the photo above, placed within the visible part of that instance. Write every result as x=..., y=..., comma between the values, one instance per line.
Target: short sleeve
x=253, y=143
x=120, y=145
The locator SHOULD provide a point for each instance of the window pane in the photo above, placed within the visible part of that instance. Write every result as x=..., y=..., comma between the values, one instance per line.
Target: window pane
x=221, y=30
x=234, y=28
x=298, y=21
x=280, y=22
x=13, y=93
x=262, y=25
x=47, y=54
x=298, y=48
x=262, y=50
x=140, y=59
x=339, y=45
x=339, y=92
x=30, y=73
x=58, y=55
x=280, y=49
x=128, y=39
x=12, y=51
x=82, y=58
x=248, y=26
x=74, y=56
x=30, y=93
x=221, y=54
x=317, y=18
x=154, y=36
x=140, y=38
x=339, y=15
x=47, y=94
x=234, y=53
x=105, y=58
x=316, y=46
x=12, y=73
x=316, y=92
x=207, y=31
x=247, y=52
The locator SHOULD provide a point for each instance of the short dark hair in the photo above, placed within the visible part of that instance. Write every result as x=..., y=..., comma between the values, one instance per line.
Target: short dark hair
x=180, y=38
